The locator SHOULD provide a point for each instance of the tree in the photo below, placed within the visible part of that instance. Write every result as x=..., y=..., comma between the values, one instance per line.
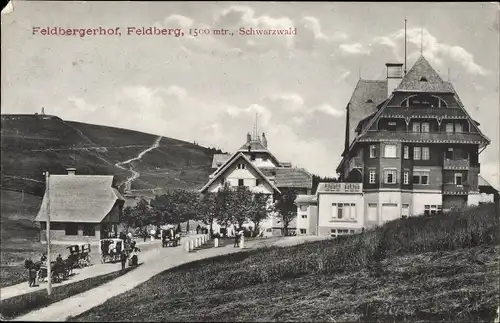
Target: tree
x=223, y=200
x=175, y=206
x=286, y=208
x=259, y=210
x=137, y=216
x=240, y=205
x=207, y=209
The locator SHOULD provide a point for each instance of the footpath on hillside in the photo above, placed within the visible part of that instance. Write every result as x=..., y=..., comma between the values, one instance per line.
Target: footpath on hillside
x=158, y=260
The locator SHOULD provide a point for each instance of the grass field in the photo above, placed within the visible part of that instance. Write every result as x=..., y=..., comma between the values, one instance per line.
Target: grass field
x=19, y=305
x=440, y=268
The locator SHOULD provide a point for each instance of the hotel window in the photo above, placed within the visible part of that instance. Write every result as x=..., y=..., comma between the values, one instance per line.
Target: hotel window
x=353, y=211
x=71, y=229
x=449, y=127
x=241, y=182
x=416, y=127
x=406, y=152
x=432, y=209
x=417, y=153
x=340, y=211
x=343, y=211
x=257, y=182
x=340, y=232
x=458, y=179
x=372, y=176
x=449, y=153
x=304, y=216
x=303, y=231
x=406, y=177
x=420, y=177
x=252, y=157
x=425, y=153
x=303, y=207
x=390, y=176
x=458, y=127
x=425, y=127
x=390, y=151
x=373, y=151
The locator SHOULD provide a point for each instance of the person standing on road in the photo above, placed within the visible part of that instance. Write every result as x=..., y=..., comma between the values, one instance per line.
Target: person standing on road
x=236, y=240
x=123, y=259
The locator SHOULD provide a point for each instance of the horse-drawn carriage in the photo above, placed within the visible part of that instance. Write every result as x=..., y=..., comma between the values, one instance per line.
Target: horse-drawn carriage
x=60, y=269
x=111, y=249
x=169, y=238
x=79, y=255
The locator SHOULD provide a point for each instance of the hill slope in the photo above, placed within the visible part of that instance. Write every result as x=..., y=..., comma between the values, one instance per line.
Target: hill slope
x=32, y=144
x=429, y=268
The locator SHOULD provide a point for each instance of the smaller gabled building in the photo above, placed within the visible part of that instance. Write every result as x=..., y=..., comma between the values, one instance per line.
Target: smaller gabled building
x=82, y=207
x=254, y=166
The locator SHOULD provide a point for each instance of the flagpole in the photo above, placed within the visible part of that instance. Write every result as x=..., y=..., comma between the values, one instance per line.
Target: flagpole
x=49, y=269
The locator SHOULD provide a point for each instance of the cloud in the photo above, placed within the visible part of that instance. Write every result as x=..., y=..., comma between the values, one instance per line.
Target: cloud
x=355, y=49
x=328, y=109
x=176, y=21
x=433, y=49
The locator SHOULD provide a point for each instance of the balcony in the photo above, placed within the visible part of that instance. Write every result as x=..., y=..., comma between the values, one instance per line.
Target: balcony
x=460, y=164
x=355, y=162
x=340, y=187
x=454, y=189
x=424, y=137
x=445, y=113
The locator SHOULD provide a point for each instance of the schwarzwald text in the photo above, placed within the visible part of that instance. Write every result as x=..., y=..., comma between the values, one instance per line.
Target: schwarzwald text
x=267, y=32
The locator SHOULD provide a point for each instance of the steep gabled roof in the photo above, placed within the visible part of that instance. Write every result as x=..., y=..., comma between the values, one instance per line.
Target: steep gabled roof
x=423, y=78
x=79, y=198
x=285, y=177
x=219, y=160
x=367, y=95
x=228, y=164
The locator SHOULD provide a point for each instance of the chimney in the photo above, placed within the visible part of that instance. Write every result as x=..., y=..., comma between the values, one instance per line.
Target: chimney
x=264, y=139
x=71, y=171
x=394, y=76
x=249, y=137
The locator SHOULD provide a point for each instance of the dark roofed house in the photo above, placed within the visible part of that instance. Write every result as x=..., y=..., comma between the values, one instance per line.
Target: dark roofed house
x=82, y=207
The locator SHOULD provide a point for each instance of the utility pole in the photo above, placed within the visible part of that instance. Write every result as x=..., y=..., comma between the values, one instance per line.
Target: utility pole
x=49, y=269
x=405, y=46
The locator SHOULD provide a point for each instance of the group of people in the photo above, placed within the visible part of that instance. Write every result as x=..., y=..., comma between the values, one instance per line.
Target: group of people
x=34, y=268
x=201, y=230
x=129, y=251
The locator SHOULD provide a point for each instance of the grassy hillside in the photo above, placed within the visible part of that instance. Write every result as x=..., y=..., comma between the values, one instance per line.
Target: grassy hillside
x=439, y=268
x=32, y=144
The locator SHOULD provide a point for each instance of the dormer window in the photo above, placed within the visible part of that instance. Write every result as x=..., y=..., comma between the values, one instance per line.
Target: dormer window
x=423, y=79
x=241, y=166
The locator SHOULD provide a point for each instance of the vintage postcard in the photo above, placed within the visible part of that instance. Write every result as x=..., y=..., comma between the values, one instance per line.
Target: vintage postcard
x=250, y=161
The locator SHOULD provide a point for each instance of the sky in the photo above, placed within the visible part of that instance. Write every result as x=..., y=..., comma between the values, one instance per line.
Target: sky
x=208, y=88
